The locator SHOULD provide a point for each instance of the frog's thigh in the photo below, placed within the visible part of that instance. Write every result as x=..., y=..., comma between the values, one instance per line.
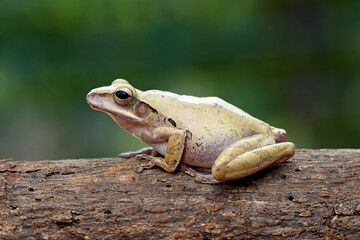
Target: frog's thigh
x=236, y=149
x=253, y=161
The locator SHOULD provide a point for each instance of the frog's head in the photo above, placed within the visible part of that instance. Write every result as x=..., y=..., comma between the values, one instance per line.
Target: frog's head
x=120, y=101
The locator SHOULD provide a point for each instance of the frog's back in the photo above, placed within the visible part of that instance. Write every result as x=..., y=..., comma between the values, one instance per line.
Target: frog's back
x=211, y=124
x=190, y=112
x=174, y=102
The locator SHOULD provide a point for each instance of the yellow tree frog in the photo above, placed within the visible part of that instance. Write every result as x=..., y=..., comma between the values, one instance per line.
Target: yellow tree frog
x=184, y=131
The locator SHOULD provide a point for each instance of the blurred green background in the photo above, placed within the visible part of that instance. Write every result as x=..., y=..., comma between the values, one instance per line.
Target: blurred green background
x=293, y=64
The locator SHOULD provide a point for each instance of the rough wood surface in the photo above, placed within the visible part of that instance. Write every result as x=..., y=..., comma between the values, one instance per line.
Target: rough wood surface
x=314, y=195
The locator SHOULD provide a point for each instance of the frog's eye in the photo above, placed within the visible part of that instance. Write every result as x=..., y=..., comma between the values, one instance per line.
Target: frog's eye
x=123, y=96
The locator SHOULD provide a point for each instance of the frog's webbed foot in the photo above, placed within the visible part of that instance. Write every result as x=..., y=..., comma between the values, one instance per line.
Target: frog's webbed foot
x=147, y=151
x=150, y=164
x=200, y=177
x=206, y=178
x=188, y=170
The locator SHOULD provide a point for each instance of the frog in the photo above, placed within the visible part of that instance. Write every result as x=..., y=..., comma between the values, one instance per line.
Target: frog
x=205, y=137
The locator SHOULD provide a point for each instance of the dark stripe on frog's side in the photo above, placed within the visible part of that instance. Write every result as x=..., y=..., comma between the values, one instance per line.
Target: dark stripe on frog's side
x=153, y=109
x=188, y=134
x=172, y=122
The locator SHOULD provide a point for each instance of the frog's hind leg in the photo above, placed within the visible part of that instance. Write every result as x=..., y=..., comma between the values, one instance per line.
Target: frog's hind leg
x=253, y=161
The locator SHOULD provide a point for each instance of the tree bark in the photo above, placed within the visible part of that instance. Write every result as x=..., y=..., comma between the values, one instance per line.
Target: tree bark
x=314, y=195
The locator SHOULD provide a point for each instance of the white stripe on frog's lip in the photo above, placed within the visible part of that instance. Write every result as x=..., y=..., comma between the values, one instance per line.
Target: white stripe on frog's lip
x=127, y=116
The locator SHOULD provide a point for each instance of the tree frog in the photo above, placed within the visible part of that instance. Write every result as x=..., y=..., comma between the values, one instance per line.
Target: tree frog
x=187, y=133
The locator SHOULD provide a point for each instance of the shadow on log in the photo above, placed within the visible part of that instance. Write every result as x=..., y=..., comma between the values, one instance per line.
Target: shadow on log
x=314, y=195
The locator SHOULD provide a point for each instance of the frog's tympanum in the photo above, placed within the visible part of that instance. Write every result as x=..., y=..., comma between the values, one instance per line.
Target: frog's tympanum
x=184, y=131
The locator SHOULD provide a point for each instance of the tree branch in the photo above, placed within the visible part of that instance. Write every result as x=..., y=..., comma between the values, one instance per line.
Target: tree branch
x=314, y=195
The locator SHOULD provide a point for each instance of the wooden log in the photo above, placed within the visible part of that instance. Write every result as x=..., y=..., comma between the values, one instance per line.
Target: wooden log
x=314, y=195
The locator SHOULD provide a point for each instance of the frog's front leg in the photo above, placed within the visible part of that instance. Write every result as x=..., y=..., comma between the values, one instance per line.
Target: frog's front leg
x=248, y=156
x=175, y=140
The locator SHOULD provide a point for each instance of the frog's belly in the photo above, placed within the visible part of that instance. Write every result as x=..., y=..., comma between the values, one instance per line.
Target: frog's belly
x=203, y=159
x=204, y=155
x=199, y=155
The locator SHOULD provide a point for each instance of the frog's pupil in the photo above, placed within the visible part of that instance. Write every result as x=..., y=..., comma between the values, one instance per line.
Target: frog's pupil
x=122, y=94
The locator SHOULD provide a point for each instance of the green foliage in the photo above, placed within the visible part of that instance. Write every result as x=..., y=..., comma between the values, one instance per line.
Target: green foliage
x=293, y=64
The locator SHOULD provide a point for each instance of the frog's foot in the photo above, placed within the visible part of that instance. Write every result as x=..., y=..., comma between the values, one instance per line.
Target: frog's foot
x=188, y=170
x=147, y=150
x=150, y=164
x=199, y=177
x=206, y=178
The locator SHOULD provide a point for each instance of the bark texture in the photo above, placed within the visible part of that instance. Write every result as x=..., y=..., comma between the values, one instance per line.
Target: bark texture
x=314, y=195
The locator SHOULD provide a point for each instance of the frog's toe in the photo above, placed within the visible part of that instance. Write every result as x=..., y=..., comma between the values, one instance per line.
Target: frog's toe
x=147, y=150
x=126, y=155
x=144, y=157
x=206, y=178
x=138, y=169
x=150, y=164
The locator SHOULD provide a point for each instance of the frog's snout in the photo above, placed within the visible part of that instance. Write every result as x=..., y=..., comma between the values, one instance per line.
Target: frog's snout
x=96, y=96
x=94, y=99
x=90, y=98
